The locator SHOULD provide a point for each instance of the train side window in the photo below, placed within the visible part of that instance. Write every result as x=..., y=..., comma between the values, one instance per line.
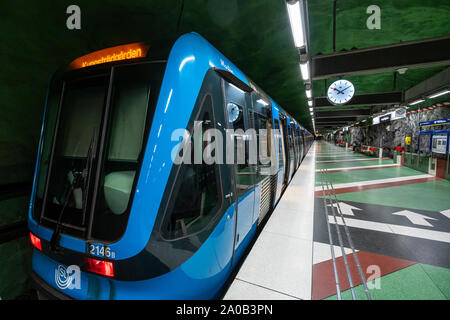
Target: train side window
x=196, y=196
x=245, y=171
x=299, y=144
x=291, y=142
x=294, y=141
x=263, y=129
x=278, y=138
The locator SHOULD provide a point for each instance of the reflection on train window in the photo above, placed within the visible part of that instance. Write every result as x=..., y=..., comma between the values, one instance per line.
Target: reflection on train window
x=263, y=130
x=78, y=131
x=124, y=143
x=278, y=138
x=291, y=143
x=245, y=171
x=292, y=149
x=196, y=196
x=51, y=112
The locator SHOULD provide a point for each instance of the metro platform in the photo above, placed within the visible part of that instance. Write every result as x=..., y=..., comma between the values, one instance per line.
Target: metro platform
x=393, y=220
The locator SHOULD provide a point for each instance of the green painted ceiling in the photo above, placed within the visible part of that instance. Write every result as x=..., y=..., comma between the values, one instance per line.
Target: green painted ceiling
x=254, y=34
x=401, y=20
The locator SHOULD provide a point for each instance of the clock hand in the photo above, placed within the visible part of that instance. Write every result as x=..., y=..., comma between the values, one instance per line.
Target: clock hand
x=345, y=88
x=338, y=91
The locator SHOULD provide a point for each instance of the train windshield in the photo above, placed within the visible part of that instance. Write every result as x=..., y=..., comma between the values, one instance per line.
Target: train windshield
x=95, y=132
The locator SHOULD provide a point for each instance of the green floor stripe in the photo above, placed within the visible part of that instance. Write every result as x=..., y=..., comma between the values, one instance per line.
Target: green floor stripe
x=372, y=174
x=432, y=196
x=411, y=283
x=347, y=164
x=440, y=277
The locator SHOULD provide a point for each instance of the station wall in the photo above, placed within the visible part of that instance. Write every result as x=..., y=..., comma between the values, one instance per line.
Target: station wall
x=392, y=134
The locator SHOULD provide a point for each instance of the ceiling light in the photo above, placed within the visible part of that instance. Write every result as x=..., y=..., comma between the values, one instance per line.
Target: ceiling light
x=308, y=93
x=304, y=69
x=295, y=18
x=416, y=102
x=311, y=109
x=310, y=103
x=438, y=94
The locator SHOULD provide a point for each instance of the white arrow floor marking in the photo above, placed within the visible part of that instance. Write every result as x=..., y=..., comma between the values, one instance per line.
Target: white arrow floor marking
x=395, y=229
x=345, y=208
x=446, y=213
x=415, y=218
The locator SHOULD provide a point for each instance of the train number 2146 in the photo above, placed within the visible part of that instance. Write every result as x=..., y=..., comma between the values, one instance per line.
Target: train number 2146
x=101, y=251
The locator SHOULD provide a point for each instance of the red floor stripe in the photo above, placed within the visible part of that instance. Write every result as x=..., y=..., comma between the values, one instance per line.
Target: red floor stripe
x=377, y=186
x=324, y=283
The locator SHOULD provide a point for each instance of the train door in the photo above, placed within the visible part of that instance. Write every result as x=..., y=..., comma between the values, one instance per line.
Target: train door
x=280, y=157
x=265, y=184
x=244, y=171
x=294, y=143
x=291, y=152
x=303, y=142
x=297, y=146
x=200, y=188
x=285, y=143
x=300, y=145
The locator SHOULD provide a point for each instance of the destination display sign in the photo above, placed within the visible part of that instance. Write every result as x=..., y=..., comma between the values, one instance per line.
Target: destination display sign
x=124, y=52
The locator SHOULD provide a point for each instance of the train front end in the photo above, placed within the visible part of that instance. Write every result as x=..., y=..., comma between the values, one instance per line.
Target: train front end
x=103, y=170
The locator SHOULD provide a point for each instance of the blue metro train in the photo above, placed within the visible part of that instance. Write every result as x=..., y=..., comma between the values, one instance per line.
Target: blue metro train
x=112, y=216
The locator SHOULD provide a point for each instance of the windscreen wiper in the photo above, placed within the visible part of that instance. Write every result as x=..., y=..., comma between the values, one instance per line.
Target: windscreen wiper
x=80, y=179
x=76, y=183
x=87, y=174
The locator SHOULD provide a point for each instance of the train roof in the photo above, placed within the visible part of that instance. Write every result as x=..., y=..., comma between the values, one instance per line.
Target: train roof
x=193, y=44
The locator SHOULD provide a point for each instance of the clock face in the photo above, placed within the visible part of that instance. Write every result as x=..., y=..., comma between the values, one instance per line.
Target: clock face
x=233, y=112
x=340, y=92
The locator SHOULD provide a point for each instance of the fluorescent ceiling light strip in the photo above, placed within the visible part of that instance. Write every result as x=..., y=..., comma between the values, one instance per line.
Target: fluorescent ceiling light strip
x=308, y=93
x=416, y=102
x=438, y=94
x=296, y=24
x=304, y=69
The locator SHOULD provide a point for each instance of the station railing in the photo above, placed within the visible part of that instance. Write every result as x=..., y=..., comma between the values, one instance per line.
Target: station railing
x=419, y=161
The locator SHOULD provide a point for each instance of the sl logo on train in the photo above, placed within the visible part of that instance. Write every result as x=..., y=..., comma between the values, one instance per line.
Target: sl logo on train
x=67, y=278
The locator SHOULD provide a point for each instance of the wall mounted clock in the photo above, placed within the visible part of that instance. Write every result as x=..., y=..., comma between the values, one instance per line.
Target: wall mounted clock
x=340, y=92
